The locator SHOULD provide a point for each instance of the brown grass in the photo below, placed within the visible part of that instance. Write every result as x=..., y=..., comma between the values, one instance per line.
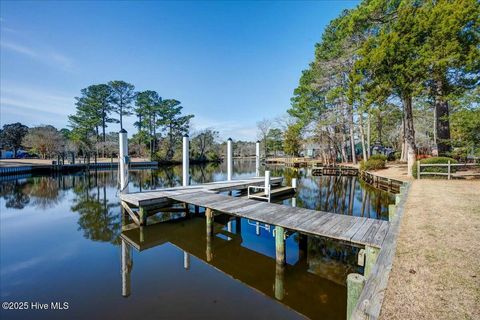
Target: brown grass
x=436, y=271
x=397, y=171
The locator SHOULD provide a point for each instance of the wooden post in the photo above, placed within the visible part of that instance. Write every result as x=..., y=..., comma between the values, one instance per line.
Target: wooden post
x=126, y=268
x=280, y=245
x=361, y=257
x=257, y=159
x=185, y=161
x=267, y=184
x=142, y=214
x=418, y=169
x=209, y=220
x=355, y=284
x=391, y=212
x=187, y=210
x=371, y=254
x=229, y=159
x=142, y=234
x=279, y=281
x=123, y=159
x=449, y=170
x=197, y=209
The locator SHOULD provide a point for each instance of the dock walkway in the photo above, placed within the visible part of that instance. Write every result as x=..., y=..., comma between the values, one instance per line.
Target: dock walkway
x=354, y=230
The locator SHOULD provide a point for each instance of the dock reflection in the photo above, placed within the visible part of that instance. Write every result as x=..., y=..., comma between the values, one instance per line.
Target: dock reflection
x=312, y=283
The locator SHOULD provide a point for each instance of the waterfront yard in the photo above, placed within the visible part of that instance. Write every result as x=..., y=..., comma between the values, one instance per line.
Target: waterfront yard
x=436, y=271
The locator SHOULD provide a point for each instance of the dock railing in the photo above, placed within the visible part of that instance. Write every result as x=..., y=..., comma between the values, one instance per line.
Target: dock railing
x=253, y=196
x=449, y=167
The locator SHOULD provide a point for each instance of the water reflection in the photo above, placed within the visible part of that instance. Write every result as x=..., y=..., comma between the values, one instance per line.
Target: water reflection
x=312, y=282
x=96, y=201
x=98, y=215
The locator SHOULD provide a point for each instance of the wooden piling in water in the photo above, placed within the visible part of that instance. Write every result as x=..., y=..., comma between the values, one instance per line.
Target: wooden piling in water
x=280, y=245
x=209, y=221
x=279, y=281
x=142, y=214
x=355, y=284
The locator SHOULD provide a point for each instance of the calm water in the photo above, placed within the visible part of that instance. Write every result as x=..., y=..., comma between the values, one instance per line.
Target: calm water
x=61, y=240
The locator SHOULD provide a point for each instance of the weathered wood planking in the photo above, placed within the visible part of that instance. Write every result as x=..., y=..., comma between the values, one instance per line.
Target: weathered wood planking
x=153, y=197
x=357, y=230
x=371, y=299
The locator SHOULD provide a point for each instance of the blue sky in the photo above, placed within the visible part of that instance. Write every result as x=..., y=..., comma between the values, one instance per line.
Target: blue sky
x=229, y=63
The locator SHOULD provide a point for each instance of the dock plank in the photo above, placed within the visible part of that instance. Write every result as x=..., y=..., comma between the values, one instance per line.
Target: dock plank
x=353, y=229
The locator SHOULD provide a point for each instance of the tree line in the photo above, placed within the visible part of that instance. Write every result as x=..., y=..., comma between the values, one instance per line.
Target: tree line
x=160, y=125
x=397, y=73
x=159, y=122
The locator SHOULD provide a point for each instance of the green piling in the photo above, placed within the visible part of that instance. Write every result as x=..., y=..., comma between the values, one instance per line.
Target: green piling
x=371, y=254
x=392, y=211
x=142, y=214
x=355, y=284
x=280, y=245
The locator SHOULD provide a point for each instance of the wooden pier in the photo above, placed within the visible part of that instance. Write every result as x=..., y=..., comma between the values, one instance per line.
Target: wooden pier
x=335, y=171
x=357, y=231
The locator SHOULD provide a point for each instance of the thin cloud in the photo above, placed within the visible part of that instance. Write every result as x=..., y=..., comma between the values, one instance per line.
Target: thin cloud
x=47, y=56
x=18, y=48
x=36, y=99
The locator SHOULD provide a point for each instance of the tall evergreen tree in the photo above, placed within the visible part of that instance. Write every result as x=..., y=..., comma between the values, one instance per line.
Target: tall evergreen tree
x=123, y=94
x=450, y=55
x=173, y=123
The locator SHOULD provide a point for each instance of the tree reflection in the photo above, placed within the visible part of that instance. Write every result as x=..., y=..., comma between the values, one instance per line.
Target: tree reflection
x=12, y=193
x=44, y=192
x=99, y=219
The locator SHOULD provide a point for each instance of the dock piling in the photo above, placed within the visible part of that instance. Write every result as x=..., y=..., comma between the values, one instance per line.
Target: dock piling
x=391, y=211
x=257, y=159
x=185, y=161
x=209, y=219
x=279, y=281
x=267, y=184
x=123, y=161
x=355, y=284
x=371, y=254
x=229, y=159
x=279, y=245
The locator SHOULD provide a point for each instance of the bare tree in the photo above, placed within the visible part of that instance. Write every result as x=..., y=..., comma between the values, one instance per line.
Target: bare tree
x=45, y=140
x=263, y=127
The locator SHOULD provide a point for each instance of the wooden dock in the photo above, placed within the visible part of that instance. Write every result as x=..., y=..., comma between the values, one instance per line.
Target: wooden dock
x=334, y=171
x=357, y=231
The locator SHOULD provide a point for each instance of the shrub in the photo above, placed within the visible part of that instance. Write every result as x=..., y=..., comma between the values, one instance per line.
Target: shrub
x=434, y=160
x=398, y=155
x=372, y=164
x=378, y=157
